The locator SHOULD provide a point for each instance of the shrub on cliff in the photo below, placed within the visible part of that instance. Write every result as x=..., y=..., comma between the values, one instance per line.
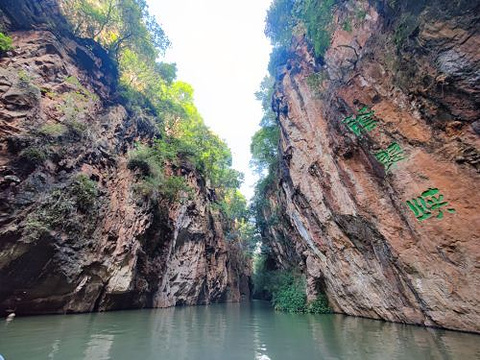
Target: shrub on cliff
x=5, y=42
x=319, y=305
x=286, y=289
x=149, y=162
x=288, y=295
x=33, y=155
x=71, y=209
x=85, y=191
x=53, y=130
x=288, y=292
x=174, y=187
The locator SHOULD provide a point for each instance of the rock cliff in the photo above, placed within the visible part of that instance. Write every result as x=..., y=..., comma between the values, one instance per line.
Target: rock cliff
x=377, y=192
x=76, y=235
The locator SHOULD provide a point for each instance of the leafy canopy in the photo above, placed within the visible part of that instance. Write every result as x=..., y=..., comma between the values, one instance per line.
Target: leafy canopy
x=287, y=17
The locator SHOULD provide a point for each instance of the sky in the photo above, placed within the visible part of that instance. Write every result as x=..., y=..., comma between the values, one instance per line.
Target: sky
x=220, y=49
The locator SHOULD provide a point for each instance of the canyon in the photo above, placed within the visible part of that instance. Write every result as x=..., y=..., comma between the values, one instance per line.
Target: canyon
x=374, y=200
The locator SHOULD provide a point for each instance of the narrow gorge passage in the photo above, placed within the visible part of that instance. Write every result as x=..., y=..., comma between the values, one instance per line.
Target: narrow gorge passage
x=122, y=188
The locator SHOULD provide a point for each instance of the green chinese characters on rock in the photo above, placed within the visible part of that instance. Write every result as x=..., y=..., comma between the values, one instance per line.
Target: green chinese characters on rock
x=390, y=156
x=428, y=204
x=363, y=122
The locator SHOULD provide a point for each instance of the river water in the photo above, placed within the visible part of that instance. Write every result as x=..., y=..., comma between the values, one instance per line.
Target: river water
x=226, y=331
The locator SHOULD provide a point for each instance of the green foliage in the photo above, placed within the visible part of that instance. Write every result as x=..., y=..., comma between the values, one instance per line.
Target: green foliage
x=210, y=156
x=278, y=57
x=76, y=128
x=267, y=214
x=53, y=129
x=264, y=143
x=264, y=95
x=405, y=27
x=85, y=191
x=347, y=25
x=319, y=305
x=264, y=148
x=361, y=14
x=248, y=233
x=149, y=187
x=173, y=187
x=150, y=162
x=134, y=41
x=315, y=81
x=25, y=78
x=5, y=42
x=72, y=209
x=167, y=71
x=234, y=205
x=288, y=292
x=118, y=25
x=34, y=229
x=81, y=93
x=284, y=16
x=30, y=90
x=34, y=155
x=184, y=133
x=49, y=93
x=75, y=105
x=317, y=17
x=280, y=22
x=265, y=157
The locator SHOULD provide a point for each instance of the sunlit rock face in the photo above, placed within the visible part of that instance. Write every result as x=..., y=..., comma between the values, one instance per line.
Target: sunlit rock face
x=61, y=127
x=378, y=185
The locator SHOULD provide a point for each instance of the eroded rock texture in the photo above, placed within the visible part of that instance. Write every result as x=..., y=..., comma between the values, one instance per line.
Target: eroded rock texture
x=344, y=218
x=64, y=137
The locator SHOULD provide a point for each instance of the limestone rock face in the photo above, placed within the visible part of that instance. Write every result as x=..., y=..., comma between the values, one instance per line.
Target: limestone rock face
x=67, y=245
x=398, y=241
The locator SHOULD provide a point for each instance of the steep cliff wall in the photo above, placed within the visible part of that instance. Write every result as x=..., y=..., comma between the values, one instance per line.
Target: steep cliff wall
x=380, y=209
x=76, y=234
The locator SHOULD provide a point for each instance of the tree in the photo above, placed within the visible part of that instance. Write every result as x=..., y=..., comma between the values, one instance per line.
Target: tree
x=280, y=22
x=264, y=148
x=118, y=25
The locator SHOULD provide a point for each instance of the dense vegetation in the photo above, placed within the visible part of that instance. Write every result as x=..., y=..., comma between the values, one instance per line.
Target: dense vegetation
x=285, y=19
x=286, y=289
x=5, y=42
x=134, y=40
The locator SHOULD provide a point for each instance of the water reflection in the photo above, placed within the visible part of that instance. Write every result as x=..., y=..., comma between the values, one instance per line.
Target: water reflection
x=378, y=340
x=98, y=347
x=231, y=331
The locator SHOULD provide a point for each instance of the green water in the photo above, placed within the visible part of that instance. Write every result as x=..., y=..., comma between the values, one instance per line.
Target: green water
x=227, y=331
